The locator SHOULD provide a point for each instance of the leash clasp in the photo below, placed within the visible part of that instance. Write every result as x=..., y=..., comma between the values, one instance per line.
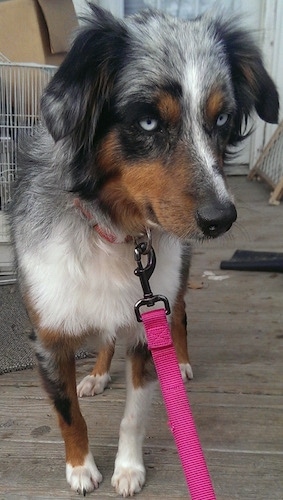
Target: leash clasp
x=144, y=273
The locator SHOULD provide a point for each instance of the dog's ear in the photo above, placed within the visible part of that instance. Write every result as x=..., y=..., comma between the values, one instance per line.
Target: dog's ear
x=253, y=86
x=74, y=98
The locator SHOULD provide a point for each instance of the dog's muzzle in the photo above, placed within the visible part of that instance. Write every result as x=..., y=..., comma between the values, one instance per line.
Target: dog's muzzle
x=216, y=219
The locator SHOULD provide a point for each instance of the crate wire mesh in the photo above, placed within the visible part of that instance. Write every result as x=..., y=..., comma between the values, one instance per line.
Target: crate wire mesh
x=21, y=85
x=269, y=166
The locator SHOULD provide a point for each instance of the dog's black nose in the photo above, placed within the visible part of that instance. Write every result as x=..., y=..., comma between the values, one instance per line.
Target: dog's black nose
x=215, y=220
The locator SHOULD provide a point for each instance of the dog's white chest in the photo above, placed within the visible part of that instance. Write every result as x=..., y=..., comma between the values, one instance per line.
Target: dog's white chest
x=94, y=288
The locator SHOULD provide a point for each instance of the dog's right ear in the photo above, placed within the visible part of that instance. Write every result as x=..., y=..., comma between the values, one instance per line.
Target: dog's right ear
x=73, y=100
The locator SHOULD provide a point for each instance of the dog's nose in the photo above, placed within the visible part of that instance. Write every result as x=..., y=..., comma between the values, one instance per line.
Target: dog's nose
x=215, y=220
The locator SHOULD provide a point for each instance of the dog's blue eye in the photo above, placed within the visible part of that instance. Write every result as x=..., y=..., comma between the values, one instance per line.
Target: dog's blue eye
x=222, y=119
x=148, y=124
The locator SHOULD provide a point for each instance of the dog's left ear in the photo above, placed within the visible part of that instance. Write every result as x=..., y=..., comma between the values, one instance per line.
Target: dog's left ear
x=73, y=100
x=253, y=86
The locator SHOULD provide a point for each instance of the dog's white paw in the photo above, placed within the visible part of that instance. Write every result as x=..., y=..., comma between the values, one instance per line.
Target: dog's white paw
x=83, y=478
x=186, y=371
x=93, y=384
x=128, y=480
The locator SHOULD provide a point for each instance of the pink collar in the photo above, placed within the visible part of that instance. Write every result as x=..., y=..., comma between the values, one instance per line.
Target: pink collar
x=103, y=233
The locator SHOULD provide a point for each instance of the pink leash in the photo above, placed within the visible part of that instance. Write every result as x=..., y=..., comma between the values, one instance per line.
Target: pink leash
x=181, y=421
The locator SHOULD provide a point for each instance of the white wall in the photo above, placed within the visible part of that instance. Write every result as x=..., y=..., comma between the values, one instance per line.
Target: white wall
x=115, y=6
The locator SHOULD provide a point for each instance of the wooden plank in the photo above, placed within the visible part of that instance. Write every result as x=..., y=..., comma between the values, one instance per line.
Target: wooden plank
x=40, y=469
x=220, y=425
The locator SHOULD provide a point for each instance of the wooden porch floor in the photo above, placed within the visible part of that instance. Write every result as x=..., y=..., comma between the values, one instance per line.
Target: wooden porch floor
x=236, y=346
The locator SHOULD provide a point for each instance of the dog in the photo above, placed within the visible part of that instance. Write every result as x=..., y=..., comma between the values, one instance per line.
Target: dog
x=137, y=124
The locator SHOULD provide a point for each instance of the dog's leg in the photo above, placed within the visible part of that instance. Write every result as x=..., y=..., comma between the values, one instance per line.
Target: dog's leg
x=99, y=378
x=179, y=336
x=57, y=369
x=129, y=473
x=97, y=381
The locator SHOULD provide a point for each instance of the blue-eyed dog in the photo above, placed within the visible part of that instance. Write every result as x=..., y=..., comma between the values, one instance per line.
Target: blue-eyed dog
x=137, y=122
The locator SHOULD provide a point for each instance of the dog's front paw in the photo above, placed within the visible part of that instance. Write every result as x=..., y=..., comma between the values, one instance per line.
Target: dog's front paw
x=83, y=478
x=186, y=371
x=93, y=384
x=128, y=480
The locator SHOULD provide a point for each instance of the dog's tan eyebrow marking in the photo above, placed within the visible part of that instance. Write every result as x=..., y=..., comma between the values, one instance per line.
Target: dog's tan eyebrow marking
x=214, y=104
x=169, y=107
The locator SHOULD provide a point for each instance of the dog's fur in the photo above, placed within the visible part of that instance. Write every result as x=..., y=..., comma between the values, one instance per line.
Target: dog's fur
x=137, y=122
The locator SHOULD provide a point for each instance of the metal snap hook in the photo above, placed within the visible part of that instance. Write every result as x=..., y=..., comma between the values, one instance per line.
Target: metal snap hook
x=144, y=273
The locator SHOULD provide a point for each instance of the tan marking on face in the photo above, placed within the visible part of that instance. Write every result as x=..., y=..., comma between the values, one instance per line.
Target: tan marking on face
x=110, y=155
x=148, y=192
x=145, y=187
x=214, y=104
x=124, y=210
x=169, y=108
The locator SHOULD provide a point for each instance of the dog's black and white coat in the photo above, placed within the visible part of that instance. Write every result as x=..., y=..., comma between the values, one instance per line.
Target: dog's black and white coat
x=137, y=123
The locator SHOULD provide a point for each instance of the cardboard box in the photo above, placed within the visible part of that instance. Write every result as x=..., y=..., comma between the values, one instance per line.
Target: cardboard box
x=37, y=31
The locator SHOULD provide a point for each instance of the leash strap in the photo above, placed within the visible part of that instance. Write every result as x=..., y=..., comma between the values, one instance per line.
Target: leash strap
x=181, y=421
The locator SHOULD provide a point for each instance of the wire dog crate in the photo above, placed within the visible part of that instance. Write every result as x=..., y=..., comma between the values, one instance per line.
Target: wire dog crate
x=21, y=85
x=269, y=166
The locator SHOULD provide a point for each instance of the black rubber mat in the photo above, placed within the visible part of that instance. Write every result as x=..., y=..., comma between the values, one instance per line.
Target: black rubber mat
x=247, y=260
